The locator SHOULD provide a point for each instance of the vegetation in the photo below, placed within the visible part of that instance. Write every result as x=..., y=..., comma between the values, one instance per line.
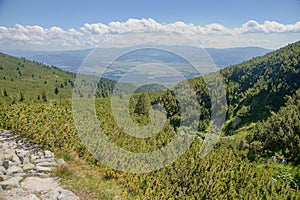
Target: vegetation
x=24, y=80
x=259, y=86
x=279, y=135
x=259, y=160
x=143, y=105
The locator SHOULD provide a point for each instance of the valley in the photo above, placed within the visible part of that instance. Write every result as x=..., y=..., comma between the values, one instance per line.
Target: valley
x=257, y=156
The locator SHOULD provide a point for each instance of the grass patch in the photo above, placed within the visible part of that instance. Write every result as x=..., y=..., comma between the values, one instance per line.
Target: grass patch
x=86, y=180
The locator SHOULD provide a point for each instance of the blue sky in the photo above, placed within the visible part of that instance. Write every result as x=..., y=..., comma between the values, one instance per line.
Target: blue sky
x=65, y=15
x=73, y=14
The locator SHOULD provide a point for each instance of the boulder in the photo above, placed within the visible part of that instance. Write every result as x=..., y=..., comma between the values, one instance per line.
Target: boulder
x=28, y=166
x=40, y=155
x=35, y=174
x=15, y=194
x=42, y=169
x=2, y=170
x=10, y=183
x=43, y=160
x=3, y=177
x=22, y=154
x=1, y=192
x=48, y=154
x=236, y=121
x=40, y=185
x=13, y=170
x=47, y=164
x=7, y=164
x=16, y=159
x=60, y=194
x=60, y=161
x=30, y=197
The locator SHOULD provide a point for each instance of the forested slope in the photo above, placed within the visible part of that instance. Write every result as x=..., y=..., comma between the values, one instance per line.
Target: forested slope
x=258, y=86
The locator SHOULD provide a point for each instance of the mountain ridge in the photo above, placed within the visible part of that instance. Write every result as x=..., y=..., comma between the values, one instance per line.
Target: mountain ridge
x=71, y=60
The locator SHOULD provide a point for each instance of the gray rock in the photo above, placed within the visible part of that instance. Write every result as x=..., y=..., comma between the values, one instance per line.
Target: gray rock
x=43, y=160
x=22, y=154
x=13, y=170
x=40, y=155
x=35, y=174
x=42, y=169
x=8, y=154
x=16, y=159
x=2, y=170
x=48, y=154
x=60, y=161
x=25, y=160
x=60, y=194
x=10, y=151
x=269, y=107
x=14, y=193
x=24, y=171
x=1, y=192
x=34, y=157
x=236, y=121
x=20, y=174
x=3, y=177
x=7, y=164
x=47, y=164
x=10, y=183
x=284, y=161
x=41, y=185
x=30, y=197
x=28, y=166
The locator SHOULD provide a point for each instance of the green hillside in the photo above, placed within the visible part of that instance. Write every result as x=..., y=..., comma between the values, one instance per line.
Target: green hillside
x=259, y=86
x=255, y=88
x=279, y=135
x=29, y=81
x=23, y=80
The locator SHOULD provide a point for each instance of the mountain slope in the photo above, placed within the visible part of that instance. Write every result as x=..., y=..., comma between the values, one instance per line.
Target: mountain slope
x=23, y=80
x=254, y=88
x=278, y=135
x=258, y=86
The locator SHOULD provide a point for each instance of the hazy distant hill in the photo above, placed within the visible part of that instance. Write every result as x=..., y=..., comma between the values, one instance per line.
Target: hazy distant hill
x=226, y=57
x=71, y=60
x=25, y=80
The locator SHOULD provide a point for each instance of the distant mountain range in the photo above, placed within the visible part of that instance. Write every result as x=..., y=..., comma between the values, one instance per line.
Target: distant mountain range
x=72, y=60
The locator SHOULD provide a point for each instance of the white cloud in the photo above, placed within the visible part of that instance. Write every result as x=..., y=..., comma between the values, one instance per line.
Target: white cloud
x=89, y=35
x=268, y=27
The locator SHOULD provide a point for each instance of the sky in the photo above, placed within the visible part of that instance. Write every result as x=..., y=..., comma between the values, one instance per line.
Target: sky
x=66, y=24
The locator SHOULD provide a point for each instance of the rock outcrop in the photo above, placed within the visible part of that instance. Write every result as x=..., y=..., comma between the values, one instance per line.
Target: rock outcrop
x=25, y=171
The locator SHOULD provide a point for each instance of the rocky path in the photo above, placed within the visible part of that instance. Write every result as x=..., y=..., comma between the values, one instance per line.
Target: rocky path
x=25, y=171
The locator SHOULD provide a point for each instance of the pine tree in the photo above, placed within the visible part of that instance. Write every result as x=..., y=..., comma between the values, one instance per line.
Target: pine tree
x=5, y=93
x=44, y=96
x=143, y=105
x=21, y=96
x=56, y=90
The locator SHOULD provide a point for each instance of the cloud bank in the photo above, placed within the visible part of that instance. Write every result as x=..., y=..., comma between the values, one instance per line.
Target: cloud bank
x=89, y=35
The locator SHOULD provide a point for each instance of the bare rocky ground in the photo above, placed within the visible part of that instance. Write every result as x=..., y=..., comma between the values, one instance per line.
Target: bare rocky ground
x=25, y=171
